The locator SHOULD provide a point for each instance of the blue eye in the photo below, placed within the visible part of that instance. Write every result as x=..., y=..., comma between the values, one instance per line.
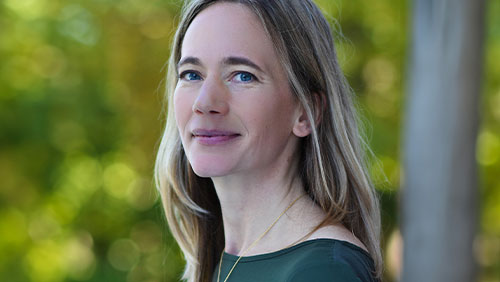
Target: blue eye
x=190, y=75
x=244, y=76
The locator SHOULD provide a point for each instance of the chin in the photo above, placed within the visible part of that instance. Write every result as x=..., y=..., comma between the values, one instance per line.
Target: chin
x=210, y=167
x=208, y=172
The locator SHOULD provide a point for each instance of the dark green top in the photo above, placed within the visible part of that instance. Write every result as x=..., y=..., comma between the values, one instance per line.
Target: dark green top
x=318, y=260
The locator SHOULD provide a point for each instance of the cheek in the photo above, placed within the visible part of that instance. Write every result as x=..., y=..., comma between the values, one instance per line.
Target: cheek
x=274, y=117
x=182, y=108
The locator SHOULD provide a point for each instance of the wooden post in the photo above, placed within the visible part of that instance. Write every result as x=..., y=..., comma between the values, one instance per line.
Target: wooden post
x=439, y=197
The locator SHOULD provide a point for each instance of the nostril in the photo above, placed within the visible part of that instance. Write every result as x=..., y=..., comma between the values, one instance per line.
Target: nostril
x=201, y=111
x=210, y=102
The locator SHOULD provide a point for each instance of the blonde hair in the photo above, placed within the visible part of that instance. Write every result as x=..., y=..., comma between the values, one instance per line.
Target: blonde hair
x=332, y=163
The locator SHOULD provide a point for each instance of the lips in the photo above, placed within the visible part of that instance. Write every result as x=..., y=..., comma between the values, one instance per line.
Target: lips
x=214, y=136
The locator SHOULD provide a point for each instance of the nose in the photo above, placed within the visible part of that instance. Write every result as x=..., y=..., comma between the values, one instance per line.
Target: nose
x=212, y=98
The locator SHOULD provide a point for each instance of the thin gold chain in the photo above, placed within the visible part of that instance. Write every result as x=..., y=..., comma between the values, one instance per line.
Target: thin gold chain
x=254, y=242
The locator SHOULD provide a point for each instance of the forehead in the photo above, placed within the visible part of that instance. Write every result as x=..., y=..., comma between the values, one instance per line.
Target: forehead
x=227, y=29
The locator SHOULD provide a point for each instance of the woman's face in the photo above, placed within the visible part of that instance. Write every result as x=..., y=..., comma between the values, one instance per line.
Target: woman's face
x=233, y=105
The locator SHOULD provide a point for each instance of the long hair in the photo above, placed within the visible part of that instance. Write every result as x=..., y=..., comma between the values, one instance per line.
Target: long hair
x=332, y=161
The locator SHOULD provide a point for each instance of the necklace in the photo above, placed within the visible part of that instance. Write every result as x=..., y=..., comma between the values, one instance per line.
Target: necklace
x=253, y=244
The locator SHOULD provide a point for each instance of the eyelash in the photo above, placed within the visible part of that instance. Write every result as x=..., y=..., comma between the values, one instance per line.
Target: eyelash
x=183, y=74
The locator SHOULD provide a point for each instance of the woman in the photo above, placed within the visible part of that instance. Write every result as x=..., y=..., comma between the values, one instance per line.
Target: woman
x=260, y=167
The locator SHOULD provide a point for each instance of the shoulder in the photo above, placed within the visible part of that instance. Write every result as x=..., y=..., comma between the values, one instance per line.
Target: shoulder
x=324, y=272
x=332, y=260
x=337, y=232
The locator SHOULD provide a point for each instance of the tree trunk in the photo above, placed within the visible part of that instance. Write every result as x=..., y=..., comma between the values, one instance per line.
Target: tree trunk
x=439, y=200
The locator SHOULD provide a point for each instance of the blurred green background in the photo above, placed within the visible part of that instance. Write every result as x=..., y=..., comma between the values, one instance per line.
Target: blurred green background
x=81, y=85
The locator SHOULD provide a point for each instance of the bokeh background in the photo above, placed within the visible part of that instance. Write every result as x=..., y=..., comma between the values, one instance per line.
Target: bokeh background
x=81, y=86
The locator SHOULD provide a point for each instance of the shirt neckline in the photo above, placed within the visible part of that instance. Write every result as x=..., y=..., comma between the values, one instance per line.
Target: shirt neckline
x=270, y=255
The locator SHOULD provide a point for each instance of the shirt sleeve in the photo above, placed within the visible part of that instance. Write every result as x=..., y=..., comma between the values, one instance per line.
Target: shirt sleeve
x=324, y=272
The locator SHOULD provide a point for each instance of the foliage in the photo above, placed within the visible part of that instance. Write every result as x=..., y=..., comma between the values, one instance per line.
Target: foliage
x=81, y=85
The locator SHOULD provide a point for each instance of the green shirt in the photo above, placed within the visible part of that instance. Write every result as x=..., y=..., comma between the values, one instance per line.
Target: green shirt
x=318, y=260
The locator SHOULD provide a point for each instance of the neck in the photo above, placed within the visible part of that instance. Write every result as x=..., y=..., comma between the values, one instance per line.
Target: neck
x=250, y=204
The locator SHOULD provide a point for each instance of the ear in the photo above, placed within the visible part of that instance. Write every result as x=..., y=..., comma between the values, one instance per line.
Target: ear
x=302, y=126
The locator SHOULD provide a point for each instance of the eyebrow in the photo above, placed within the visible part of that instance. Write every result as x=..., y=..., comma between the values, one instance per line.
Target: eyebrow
x=241, y=61
x=189, y=60
x=232, y=60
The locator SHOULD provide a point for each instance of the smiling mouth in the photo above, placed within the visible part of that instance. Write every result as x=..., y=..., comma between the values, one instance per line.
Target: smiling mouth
x=214, y=137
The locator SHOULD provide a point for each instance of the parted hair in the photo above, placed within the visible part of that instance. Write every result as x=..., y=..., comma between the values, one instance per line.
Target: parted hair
x=332, y=158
